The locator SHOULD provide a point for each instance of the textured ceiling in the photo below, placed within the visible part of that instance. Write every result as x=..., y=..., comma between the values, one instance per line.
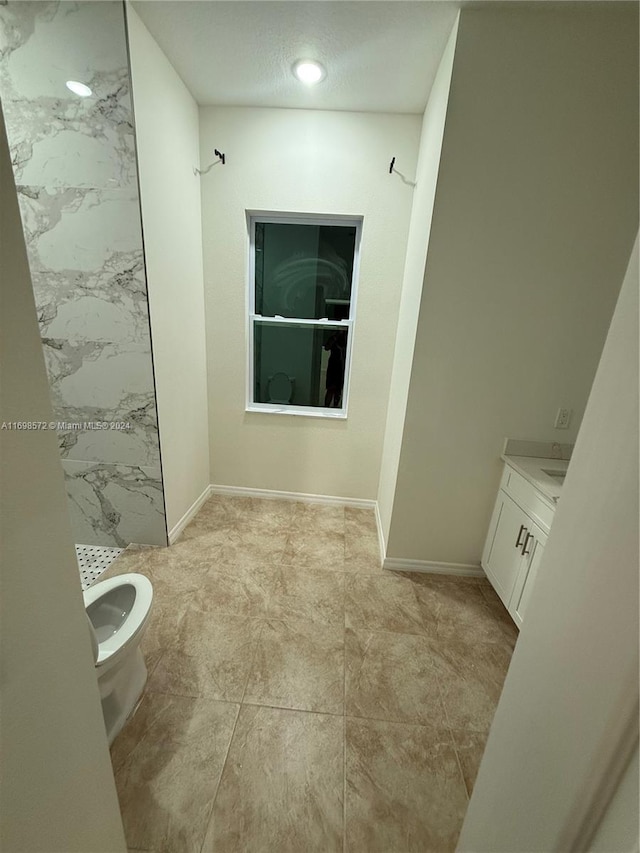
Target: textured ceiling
x=379, y=56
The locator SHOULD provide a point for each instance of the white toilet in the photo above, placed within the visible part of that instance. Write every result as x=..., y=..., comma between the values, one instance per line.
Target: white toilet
x=280, y=388
x=118, y=610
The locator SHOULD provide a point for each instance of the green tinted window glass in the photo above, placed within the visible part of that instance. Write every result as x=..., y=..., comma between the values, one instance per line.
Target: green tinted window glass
x=304, y=271
x=299, y=365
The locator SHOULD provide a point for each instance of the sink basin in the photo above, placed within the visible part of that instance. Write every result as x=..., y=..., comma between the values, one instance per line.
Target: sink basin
x=557, y=475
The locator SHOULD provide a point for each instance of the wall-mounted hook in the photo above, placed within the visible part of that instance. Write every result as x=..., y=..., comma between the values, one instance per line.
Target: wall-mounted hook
x=221, y=159
x=393, y=170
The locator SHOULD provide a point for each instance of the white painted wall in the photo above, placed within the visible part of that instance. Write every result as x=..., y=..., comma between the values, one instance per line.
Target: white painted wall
x=419, y=231
x=618, y=830
x=57, y=793
x=573, y=682
x=535, y=214
x=312, y=162
x=168, y=148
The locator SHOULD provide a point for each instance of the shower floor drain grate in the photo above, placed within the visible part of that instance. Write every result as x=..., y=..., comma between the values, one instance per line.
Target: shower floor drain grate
x=93, y=560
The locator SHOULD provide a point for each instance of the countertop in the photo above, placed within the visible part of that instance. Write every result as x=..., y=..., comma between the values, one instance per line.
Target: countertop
x=532, y=468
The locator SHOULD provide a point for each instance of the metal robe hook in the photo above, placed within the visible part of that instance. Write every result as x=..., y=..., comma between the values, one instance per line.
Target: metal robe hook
x=221, y=159
x=393, y=170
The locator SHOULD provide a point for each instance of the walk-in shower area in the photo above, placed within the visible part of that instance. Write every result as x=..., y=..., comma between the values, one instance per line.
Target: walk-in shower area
x=74, y=162
x=93, y=560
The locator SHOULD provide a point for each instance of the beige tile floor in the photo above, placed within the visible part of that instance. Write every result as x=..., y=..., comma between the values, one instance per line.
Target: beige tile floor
x=299, y=697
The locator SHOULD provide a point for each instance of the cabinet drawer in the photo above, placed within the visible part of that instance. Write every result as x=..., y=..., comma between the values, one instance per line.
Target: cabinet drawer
x=527, y=497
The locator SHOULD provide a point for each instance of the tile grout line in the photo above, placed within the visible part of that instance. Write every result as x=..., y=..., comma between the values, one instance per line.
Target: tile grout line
x=292, y=710
x=199, y=697
x=224, y=764
x=253, y=660
x=425, y=635
x=413, y=723
x=235, y=725
x=446, y=712
x=393, y=722
x=459, y=763
x=450, y=732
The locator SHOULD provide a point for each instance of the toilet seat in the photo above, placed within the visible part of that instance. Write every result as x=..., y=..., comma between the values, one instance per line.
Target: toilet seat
x=280, y=388
x=110, y=649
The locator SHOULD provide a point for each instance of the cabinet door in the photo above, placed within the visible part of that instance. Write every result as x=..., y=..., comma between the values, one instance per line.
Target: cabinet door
x=502, y=560
x=526, y=580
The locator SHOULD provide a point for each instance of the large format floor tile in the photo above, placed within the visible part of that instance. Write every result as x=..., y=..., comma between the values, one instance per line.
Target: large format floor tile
x=305, y=594
x=404, y=791
x=255, y=544
x=469, y=748
x=317, y=550
x=301, y=698
x=318, y=518
x=362, y=550
x=459, y=609
x=392, y=677
x=500, y=613
x=382, y=603
x=298, y=665
x=167, y=614
x=471, y=678
x=212, y=657
x=282, y=785
x=167, y=784
x=242, y=587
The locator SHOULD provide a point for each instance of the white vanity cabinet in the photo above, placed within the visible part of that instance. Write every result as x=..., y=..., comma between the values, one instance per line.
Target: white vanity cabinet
x=515, y=542
x=527, y=575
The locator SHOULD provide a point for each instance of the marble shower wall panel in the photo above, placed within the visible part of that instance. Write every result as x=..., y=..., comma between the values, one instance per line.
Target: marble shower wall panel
x=75, y=168
x=94, y=319
x=115, y=504
x=59, y=139
x=86, y=386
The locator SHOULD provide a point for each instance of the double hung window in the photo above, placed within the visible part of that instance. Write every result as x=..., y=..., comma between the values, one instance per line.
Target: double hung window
x=302, y=287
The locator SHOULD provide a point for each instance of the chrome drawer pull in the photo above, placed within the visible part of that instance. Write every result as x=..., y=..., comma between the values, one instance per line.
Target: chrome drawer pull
x=522, y=530
x=526, y=542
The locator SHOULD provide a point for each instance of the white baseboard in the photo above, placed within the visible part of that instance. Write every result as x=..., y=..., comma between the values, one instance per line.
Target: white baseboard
x=381, y=543
x=397, y=564
x=177, y=529
x=394, y=564
x=270, y=494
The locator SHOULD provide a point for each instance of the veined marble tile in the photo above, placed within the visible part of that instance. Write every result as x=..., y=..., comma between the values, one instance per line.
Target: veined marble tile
x=58, y=139
x=84, y=143
x=115, y=504
x=97, y=377
x=136, y=444
x=78, y=229
x=44, y=44
x=96, y=382
x=108, y=304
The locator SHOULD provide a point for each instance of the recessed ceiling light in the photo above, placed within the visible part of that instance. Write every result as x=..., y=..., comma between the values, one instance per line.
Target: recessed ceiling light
x=308, y=71
x=78, y=88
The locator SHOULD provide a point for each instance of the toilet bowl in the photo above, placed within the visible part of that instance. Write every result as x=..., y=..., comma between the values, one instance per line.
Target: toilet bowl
x=118, y=610
x=280, y=388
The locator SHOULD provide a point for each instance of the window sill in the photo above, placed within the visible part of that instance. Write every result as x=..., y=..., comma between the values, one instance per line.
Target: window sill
x=298, y=411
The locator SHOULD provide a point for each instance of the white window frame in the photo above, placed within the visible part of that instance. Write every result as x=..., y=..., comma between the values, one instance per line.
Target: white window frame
x=254, y=216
